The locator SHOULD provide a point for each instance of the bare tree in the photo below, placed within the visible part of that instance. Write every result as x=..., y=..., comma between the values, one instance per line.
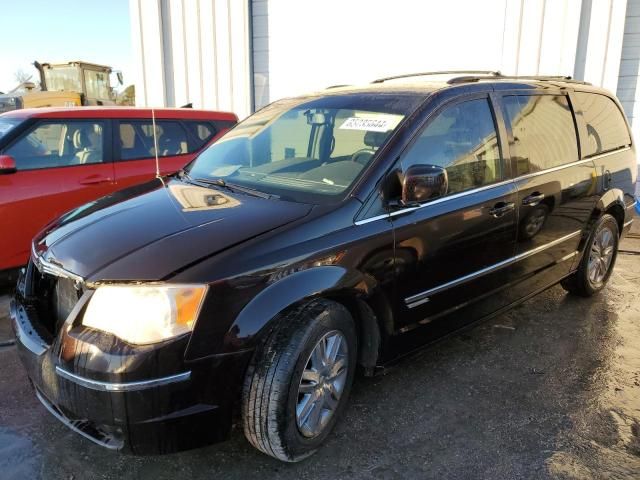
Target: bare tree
x=21, y=76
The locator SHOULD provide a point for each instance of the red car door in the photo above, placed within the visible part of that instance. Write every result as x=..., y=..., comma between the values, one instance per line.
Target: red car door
x=61, y=164
x=136, y=162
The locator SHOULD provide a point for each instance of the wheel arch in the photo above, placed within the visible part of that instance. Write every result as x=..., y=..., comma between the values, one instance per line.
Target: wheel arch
x=355, y=291
x=612, y=203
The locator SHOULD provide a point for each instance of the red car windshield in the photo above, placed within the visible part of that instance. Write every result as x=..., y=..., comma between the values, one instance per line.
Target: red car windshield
x=6, y=125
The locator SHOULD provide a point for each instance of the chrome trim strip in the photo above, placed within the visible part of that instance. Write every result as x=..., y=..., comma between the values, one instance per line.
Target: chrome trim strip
x=51, y=268
x=567, y=257
x=606, y=154
x=626, y=224
x=122, y=387
x=553, y=169
x=372, y=219
x=435, y=202
x=418, y=299
x=632, y=205
x=69, y=423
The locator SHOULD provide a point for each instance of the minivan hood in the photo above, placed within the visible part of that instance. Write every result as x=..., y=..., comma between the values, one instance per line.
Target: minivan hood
x=150, y=231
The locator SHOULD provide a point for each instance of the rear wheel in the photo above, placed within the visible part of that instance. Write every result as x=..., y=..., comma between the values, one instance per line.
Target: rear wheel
x=598, y=260
x=299, y=380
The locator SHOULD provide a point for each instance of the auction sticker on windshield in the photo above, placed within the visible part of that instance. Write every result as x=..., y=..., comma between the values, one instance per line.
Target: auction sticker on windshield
x=382, y=123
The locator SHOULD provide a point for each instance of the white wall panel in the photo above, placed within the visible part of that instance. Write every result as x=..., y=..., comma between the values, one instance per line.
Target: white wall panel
x=208, y=52
x=147, y=35
x=377, y=37
x=174, y=31
x=193, y=51
x=531, y=31
x=629, y=79
x=239, y=75
x=202, y=51
x=315, y=44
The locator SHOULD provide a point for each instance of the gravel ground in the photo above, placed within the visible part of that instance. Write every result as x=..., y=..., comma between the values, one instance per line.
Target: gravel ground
x=549, y=390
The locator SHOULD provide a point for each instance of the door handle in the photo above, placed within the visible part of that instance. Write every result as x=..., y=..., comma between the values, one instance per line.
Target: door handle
x=534, y=199
x=95, y=179
x=500, y=208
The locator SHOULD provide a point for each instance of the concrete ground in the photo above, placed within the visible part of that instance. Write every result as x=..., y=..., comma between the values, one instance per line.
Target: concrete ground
x=549, y=390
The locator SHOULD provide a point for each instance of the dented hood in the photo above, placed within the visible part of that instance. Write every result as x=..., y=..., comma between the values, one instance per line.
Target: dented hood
x=150, y=231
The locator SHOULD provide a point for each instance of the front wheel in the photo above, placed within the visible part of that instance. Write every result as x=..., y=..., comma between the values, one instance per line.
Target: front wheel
x=299, y=380
x=598, y=260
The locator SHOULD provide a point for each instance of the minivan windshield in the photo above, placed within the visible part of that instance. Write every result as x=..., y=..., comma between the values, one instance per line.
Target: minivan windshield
x=6, y=125
x=301, y=149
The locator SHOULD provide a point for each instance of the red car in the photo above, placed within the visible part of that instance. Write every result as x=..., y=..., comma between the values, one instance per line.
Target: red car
x=55, y=159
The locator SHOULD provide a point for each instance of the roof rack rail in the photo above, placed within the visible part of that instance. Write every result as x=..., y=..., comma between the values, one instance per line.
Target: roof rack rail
x=443, y=72
x=337, y=86
x=543, y=78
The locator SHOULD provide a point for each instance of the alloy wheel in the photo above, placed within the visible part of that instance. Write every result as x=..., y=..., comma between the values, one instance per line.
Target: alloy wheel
x=600, y=257
x=322, y=384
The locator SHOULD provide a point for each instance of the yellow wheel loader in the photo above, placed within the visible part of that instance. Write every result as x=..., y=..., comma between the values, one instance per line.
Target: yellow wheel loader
x=70, y=84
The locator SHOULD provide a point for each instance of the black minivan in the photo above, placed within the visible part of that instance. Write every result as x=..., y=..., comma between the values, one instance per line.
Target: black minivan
x=325, y=233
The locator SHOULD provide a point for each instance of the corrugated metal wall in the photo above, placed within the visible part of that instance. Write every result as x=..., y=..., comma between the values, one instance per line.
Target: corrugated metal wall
x=306, y=45
x=260, y=24
x=193, y=51
x=629, y=82
x=242, y=54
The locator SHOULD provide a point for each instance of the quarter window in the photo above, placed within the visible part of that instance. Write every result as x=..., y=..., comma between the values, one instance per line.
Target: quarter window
x=463, y=140
x=136, y=139
x=59, y=144
x=201, y=133
x=543, y=132
x=606, y=127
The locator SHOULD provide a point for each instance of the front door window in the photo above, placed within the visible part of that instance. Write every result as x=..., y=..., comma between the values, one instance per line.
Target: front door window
x=53, y=144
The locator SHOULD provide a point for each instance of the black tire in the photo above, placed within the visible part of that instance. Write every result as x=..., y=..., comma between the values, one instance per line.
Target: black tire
x=270, y=393
x=580, y=283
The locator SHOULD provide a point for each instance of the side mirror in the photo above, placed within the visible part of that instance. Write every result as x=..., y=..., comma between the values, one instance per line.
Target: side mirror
x=7, y=164
x=422, y=183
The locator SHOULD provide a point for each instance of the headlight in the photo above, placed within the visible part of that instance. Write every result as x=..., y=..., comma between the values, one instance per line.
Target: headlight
x=143, y=314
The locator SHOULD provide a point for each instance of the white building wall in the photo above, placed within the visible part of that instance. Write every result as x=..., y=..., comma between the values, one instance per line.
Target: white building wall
x=629, y=82
x=241, y=54
x=312, y=44
x=193, y=51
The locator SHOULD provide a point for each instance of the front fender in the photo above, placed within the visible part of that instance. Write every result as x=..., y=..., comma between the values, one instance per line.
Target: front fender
x=256, y=317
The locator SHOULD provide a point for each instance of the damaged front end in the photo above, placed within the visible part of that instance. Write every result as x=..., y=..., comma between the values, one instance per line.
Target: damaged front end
x=138, y=398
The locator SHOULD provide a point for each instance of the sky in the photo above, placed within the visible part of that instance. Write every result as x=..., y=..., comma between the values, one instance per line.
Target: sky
x=56, y=31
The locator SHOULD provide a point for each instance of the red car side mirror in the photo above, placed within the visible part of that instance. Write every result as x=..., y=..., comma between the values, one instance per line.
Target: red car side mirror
x=7, y=164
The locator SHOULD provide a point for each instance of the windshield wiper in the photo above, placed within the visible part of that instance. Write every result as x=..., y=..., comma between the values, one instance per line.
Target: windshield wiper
x=219, y=182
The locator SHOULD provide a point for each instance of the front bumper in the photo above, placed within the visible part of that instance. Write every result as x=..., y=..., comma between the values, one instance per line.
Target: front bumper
x=128, y=399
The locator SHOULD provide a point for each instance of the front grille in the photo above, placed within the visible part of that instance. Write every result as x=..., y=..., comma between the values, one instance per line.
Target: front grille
x=52, y=297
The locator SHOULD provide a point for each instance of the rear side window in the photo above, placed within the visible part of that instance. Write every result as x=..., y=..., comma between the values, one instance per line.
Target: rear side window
x=201, y=133
x=606, y=128
x=136, y=139
x=463, y=140
x=52, y=144
x=544, y=134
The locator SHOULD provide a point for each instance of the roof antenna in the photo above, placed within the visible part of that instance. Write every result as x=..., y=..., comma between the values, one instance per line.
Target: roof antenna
x=155, y=141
